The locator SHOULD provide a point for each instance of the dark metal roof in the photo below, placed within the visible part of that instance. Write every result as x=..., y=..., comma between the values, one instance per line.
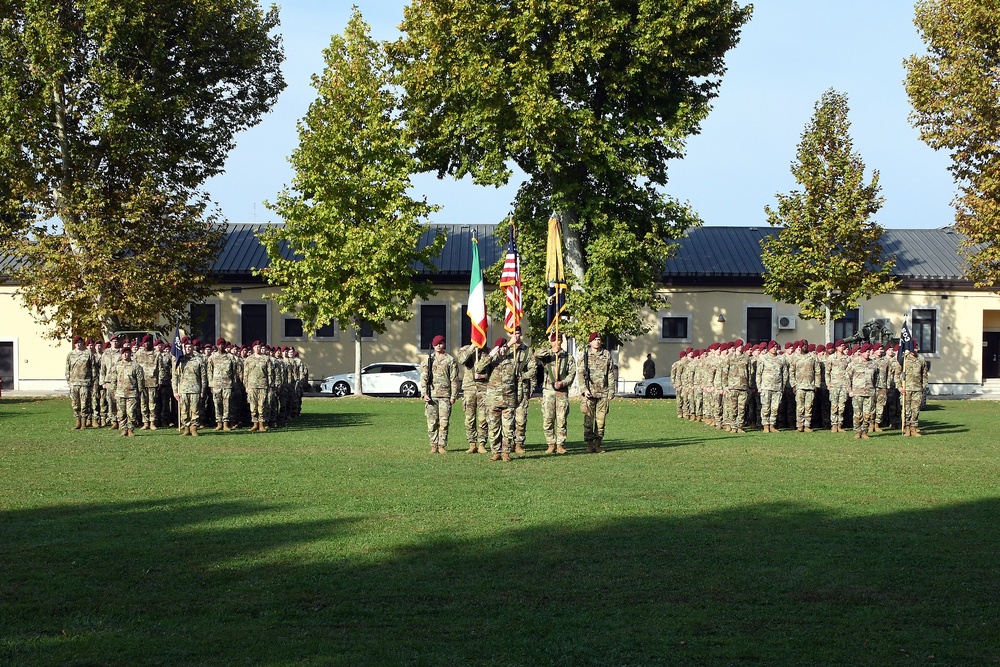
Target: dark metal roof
x=733, y=253
x=723, y=255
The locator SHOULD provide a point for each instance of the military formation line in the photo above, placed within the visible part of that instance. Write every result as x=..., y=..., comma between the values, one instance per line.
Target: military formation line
x=129, y=384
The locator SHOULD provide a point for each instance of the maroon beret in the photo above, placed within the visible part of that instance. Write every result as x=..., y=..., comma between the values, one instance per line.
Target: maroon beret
x=593, y=335
x=185, y=340
x=220, y=341
x=438, y=340
x=500, y=342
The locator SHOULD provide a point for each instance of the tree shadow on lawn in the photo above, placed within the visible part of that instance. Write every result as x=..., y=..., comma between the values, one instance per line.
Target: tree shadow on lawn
x=162, y=583
x=309, y=421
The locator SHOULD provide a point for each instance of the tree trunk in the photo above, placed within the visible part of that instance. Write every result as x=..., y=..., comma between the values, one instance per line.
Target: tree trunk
x=575, y=263
x=358, y=389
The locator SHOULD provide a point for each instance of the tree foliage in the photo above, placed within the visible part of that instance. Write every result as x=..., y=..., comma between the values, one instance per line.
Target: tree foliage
x=955, y=92
x=828, y=253
x=349, y=248
x=590, y=100
x=114, y=115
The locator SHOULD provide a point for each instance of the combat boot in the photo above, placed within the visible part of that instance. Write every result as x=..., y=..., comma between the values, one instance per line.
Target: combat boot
x=442, y=449
x=481, y=449
x=834, y=429
x=193, y=429
x=551, y=449
x=184, y=430
x=263, y=426
x=123, y=433
x=518, y=449
x=915, y=432
x=906, y=431
x=505, y=457
x=152, y=426
x=434, y=449
x=255, y=427
x=131, y=433
x=145, y=426
x=495, y=457
x=225, y=426
x=799, y=428
x=807, y=429
x=857, y=436
x=560, y=449
x=218, y=427
x=590, y=446
x=76, y=426
x=864, y=435
x=878, y=429
x=597, y=447
x=740, y=430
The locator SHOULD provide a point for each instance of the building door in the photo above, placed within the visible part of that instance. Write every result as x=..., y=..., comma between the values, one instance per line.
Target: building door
x=7, y=364
x=991, y=354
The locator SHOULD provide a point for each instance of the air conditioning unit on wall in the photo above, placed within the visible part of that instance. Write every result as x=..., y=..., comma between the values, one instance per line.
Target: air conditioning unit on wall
x=786, y=322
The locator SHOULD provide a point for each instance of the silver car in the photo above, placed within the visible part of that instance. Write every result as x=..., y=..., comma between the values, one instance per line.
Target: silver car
x=392, y=378
x=655, y=388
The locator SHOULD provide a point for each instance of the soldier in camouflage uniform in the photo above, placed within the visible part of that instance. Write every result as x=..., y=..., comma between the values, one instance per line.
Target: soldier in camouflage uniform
x=149, y=360
x=80, y=370
x=881, y=364
x=894, y=378
x=439, y=389
x=256, y=380
x=190, y=385
x=772, y=377
x=526, y=369
x=596, y=378
x=804, y=378
x=861, y=388
x=165, y=410
x=558, y=372
x=823, y=353
x=474, y=399
x=753, y=395
x=222, y=372
x=737, y=386
x=501, y=392
x=127, y=383
x=97, y=347
x=688, y=374
x=912, y=385
x=112, y=355
x=836, y=381
x=677, y=379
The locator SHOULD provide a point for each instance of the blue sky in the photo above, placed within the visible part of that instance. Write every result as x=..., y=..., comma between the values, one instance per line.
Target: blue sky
x=789, y=54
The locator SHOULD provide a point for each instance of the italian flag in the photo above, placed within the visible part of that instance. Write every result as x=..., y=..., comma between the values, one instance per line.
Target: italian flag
x=477, y=300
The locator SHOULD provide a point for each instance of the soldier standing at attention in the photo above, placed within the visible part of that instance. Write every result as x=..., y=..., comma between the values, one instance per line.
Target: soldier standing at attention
x=127, y=384
x=772, y=377
x=737, y=386
x=914, y=381
x=80, y=364
x=439, y=388
x=881, y=363
x=861, y=388
x=836, y=382
x=526, y=365
x=165, y=409
x=676, y=378
x=500, y=397
x=256, y=380
x=148, y=397
x=474, y=399
x=559, y=371
x=804, y=376
x=97, y=347
x=190, y=384
x=112, y=355
x=596, y=377
x=221, y=377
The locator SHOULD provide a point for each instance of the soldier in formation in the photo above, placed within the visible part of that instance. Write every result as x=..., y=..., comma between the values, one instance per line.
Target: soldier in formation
x=474, y=398
x=913, y=381
x=80, y=365
x=128, y=383
x=596, y=379
x=439, y=389
x=558, y=374
x=501, y=398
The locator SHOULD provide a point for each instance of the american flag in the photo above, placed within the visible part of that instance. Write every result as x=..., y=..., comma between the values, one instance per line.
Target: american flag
x=510, y=281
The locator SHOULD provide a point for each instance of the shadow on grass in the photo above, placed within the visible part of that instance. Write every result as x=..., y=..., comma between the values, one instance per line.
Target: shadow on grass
x=309, y=421
x=196, y=581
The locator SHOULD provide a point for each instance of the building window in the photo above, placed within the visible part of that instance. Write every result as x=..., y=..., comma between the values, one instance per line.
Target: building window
x=848, y=325
x=203, y=322
x=327, y=332
x=675, y=328
x=291, y=328
x=367, y=331
x=924, y=329
x=433, y=322
x=759, y=322
x=253, y=323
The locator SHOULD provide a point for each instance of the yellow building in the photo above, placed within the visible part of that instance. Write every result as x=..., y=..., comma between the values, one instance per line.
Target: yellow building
x=713, y=285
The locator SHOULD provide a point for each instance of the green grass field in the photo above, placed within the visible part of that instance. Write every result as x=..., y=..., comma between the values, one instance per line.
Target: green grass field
x=340, y=540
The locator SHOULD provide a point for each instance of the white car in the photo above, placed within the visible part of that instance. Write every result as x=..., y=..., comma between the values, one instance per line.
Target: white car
x=655, y=388
x=394, y=378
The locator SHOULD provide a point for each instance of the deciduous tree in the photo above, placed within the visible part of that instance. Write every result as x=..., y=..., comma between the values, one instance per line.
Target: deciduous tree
x=590, y=100
x=828, y=255
x=953, y=89
x=349, y=248
x=114, y=115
